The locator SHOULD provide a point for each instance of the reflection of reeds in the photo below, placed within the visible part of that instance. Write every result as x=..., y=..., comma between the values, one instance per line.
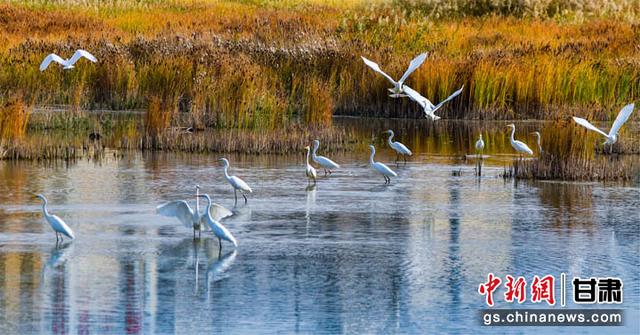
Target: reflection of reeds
x=569, y=156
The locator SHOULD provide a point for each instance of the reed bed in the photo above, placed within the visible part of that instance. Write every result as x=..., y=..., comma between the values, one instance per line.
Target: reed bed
x=265, y=64
x=571, y=155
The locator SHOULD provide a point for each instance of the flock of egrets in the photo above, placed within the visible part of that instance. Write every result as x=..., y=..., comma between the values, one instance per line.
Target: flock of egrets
x=214, y=213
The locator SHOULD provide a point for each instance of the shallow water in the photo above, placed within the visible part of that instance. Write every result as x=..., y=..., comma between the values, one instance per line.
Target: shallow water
x=350, y=255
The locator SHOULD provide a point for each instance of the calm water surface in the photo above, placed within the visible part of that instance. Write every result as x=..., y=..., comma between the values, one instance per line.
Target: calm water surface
x=350, y=255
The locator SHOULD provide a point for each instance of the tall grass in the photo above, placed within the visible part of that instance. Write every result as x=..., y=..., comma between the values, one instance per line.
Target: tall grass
x=14, y=117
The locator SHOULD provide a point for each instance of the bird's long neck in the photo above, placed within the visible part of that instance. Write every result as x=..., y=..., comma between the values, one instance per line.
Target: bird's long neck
x=315, y=149
x=373, y=153
x=44, y=208
x=226, y=171
x=390, y=138
x=308, y=151
x=539, y=144
x=207, y=212
x=513, y=132
x=197, y=201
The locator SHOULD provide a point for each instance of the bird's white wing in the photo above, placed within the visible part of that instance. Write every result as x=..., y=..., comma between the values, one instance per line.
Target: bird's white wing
x=623, y=116
x=415, y=96
x=239, y=183
x=415, y=63
x=376, y=68
x=455, y=94
x=79, y=54
x=51, y=58
x=219, y=212
x=588, y=125
x=58, y=225
x=179, y=209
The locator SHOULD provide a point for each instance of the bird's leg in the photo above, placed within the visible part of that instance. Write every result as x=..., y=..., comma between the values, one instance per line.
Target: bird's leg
x=325, y=172
x=219, y=246
x=199, y=233
x=330, y=172
x=397, y=158
x=235, y=194
x=245, y=198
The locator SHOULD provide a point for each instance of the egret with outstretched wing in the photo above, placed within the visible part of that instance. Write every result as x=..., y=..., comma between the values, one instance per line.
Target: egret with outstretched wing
x=397, y=89
x=67, y=64
x=612, y=136
x=428, y=107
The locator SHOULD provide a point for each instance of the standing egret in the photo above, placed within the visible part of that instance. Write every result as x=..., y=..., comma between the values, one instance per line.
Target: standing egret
x=380, y=167
x=310, y=170
x=56, y=223
x=218, y=229
x=480, y=145
x=539, y=141
x=189, y=217
x=67, y=64
x=428, y=107
x=325, y=162
x=520, y=146
x=399, y=148
x=612, y=137
x=397, y=91
x=237, y=183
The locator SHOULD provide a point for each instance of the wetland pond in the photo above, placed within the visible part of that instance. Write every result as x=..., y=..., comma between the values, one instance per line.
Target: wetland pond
x=351, y=255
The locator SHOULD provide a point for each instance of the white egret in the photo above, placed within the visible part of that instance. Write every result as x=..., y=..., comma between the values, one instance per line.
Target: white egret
x=428, y=107
x=67, y=64
x=237, y=183
x=380, y=167
x=398, y=147
x=325, y=162
x=189, y=217
x=520, y=146
x=480, y=145
x=397, y=91
x=218, y=229
x=539, y=142
x=56, y=223
x=310, y=171
x=612, y=136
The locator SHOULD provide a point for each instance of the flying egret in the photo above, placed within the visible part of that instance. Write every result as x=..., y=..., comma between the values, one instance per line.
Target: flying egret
x=480, y=145
x=380, y=167
x=189, y=217
x=67, y=64
x=325, y=162
x=399, y=148
x=539, y=141
x=56, y=223
x=520, y=146
x=218, y=229
x=237, y=183
x=310, y=170
x=428, y=107
x=612, y=137
x=397, y=91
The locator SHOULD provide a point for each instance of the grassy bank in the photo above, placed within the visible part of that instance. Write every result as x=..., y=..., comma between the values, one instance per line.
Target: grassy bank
x=262, y=64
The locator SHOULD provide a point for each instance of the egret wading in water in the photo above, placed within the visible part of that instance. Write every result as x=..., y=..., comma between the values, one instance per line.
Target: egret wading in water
x=380, y=167
x=520, y=146
x=237, y=183
x=428, y=107
x=480, y=145
x=325, y=162
x=612, y=136
x=216, y=227
x=56, y=223
x=398, y=147
x=538, y=141
x=310, y=171
x=397, y=91
x=67, y=64
x=189, y=217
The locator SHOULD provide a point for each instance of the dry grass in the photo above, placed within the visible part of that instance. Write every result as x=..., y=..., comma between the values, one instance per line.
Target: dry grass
x=570, y=155
x=257, y=64
x=14, y=117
